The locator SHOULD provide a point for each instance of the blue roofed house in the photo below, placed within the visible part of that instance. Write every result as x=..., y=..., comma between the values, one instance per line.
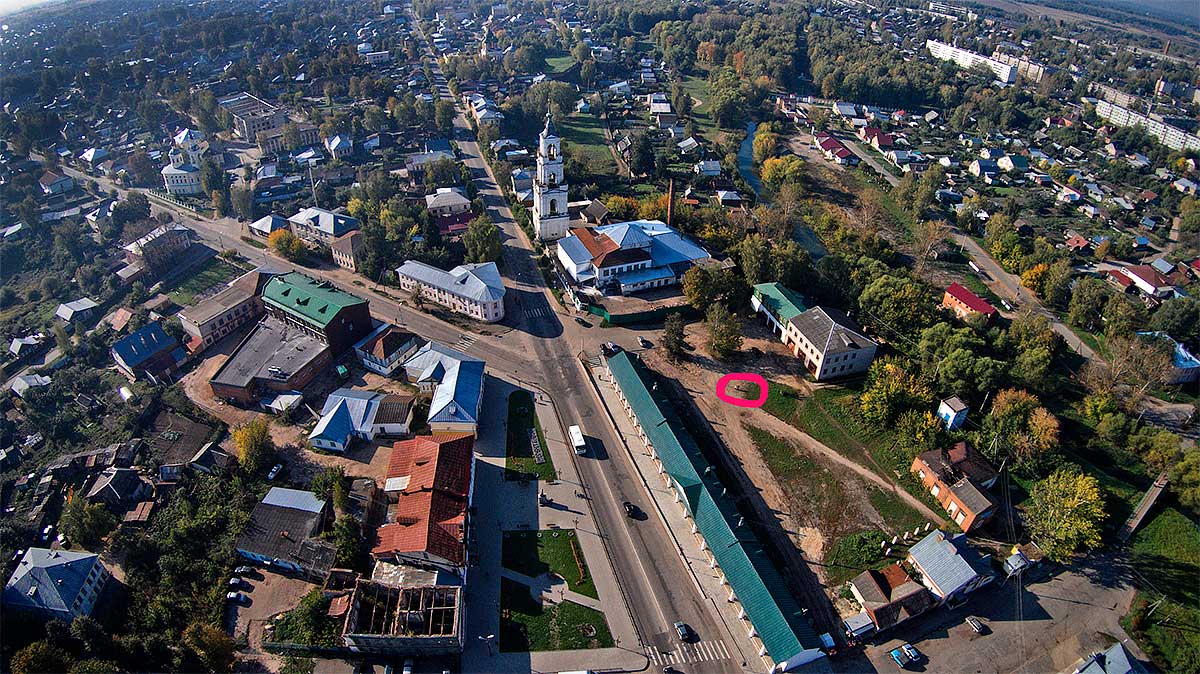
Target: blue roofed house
x=56, y=583
x=771, y=617
x=948, y=566
x=456, y=381
x=627, y=257
x=148, y=351
x=1115, y=660
x=1185, y=367
x=350, y=414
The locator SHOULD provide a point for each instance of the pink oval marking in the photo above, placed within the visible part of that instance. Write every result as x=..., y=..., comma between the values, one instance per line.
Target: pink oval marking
x=723, y=383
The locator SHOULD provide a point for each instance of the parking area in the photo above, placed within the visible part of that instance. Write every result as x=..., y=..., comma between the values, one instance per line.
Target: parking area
x=1042, y=625
x=267, y=593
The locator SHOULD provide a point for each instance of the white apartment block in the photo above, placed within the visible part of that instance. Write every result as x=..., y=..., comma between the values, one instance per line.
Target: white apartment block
x=969, y=59
x=1171, y=136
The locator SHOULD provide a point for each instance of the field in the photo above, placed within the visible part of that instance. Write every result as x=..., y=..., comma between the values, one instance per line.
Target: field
x=560, y=64
x=830, y=416
x=521, y=418
x=548, y=551
x=528, y=625
x=1166, y=552
x=212, y=274
x=587, y=132
x=697, y=88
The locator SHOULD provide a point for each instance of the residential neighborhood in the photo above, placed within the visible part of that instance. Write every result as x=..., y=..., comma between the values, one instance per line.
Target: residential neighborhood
x=707, y=337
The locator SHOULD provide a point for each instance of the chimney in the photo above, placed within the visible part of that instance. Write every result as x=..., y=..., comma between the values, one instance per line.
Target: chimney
x=671, y=200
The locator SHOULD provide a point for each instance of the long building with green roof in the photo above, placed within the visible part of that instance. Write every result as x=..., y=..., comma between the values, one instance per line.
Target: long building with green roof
x=776, y=624
x=318, y=307
x=780, y=303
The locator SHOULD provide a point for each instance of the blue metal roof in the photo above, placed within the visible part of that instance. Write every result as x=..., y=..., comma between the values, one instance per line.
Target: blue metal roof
x=764, y=595
x=48, y=579
x=948, y=562
x=294, y=499
x=143, y=344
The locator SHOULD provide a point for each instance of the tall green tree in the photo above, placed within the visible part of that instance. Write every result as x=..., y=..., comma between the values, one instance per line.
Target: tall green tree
x=673, y=335
x=1065, y=513
x=482, y=240
x=724, y=332
x=86, y=522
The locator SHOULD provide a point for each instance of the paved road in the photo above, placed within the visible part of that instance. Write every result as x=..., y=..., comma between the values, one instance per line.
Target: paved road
x=1009, y=286
x=642, y=554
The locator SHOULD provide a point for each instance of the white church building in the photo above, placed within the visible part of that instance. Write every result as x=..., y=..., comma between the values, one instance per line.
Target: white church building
x=550, y=215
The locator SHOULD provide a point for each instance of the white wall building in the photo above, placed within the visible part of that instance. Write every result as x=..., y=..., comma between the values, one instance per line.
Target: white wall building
x=550, y=218
x=475, y=290
x=1171, y=136
x=969, y=59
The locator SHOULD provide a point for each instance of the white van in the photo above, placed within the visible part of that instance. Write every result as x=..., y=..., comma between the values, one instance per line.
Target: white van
x=577, y=440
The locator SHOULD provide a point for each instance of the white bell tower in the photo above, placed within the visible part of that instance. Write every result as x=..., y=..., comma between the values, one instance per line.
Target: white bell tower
x=550, y=217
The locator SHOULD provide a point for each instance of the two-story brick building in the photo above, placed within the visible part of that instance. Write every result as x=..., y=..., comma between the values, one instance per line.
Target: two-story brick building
x=958, y=478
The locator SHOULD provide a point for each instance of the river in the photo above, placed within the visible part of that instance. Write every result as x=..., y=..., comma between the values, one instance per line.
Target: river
x=745, y=160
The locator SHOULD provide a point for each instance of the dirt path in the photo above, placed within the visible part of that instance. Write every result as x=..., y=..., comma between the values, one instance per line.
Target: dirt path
x=785, y=430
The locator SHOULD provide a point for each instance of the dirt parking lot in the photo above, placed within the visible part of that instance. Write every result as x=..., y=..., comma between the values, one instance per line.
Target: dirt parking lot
x=269, y=594
x=1044, y=624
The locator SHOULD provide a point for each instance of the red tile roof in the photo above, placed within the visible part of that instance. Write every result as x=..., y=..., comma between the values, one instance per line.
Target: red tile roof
x=439, y=461
x=429, y=522
x=1148, y=275
x=1119, y=278
x=431, y=510
x=386, y=343
x=971, y=300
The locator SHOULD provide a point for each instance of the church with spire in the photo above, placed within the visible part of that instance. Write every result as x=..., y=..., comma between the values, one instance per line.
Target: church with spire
x=550, y=215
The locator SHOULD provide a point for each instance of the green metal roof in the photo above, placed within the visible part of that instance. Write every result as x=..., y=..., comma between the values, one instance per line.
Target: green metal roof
x=308, y=299
x=764, y=595
x=782, y=302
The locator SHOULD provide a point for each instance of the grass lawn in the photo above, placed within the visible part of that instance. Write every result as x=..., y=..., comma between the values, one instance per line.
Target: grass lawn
x=1166, y=550
x=1095, y=341
x=549, y=551
x=560, y=64
x=587, y=131
x=830, y=415
x=520, y=461
x=213, y=273
x=527, y=625
x=698, y=89
x=851, y=555
x=977, y=286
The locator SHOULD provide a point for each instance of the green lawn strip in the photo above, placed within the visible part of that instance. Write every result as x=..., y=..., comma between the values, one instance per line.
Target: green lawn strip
x=560, y=64
x=520, y=461
x=895, y=511
x=212, y=273
x=548, y=551
x=527, y=625
x=698, y=89
x=1095, y=341
x=977, y=286
x=1166, y=552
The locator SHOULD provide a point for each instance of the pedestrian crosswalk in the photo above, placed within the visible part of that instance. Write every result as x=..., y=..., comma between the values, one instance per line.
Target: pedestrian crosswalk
x=537, y=312
x=464, y=342
x=700, y=651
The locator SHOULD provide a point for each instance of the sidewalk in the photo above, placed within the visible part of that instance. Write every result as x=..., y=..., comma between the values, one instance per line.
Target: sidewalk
x=700, y=572
x=501, y=505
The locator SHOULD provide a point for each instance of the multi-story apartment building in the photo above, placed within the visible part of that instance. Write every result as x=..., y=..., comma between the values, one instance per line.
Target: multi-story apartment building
x=969, y=59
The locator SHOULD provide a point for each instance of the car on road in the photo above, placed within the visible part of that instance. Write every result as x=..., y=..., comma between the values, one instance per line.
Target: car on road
x=237, y=597
x=245, y=570
x=901, y=658
x=975, y=624
x=682, y=629
x=274, y=471
x=579, y=320
x=630, y=509
x=644, y=343
x=912, y=652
